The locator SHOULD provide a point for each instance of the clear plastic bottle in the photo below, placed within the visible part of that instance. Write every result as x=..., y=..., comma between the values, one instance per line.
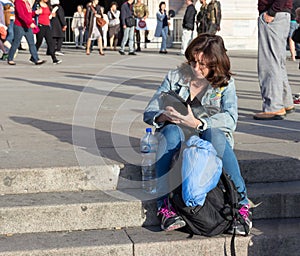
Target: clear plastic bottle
x=148, y=147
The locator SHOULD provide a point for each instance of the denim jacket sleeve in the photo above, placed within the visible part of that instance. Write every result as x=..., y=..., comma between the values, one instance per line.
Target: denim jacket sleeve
x=226, y=99
x=154, y=108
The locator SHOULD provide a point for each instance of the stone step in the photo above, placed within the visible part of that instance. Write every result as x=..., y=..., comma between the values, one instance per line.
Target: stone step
x=63, y=211
x=112, y=176
x=253, y=171
x=269, y=237
x=34, y=180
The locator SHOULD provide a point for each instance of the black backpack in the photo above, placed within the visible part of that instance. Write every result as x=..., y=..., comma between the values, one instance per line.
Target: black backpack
x=216, y=216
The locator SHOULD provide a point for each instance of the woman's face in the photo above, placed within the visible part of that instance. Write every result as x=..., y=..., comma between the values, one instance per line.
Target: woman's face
x=198, y=66
x=79, y=8
x=113, y=7
x=163, y=7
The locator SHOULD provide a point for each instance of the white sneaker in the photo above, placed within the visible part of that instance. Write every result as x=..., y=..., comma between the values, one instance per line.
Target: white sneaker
x=59, y=53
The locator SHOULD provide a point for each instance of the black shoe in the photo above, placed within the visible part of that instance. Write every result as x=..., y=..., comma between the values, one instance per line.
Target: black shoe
x=138, y=49
x=169, y=218
x=147, y=41
x=57, y=61
x=132, y=53
x=31, y=60
x=11, y=62
x=163, y=52
x=40, y=62
x=121, y=52
x=243, y=224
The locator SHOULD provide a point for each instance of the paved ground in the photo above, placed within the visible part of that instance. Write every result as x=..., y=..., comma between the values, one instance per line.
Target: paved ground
x=88, y=110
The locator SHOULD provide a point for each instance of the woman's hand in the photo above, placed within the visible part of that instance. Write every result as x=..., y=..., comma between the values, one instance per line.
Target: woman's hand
x=32, y=25
x=38, y=11
x=174, y=116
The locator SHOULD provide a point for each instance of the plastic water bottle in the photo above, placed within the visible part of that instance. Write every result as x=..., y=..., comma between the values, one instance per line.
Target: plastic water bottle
x=148, y=149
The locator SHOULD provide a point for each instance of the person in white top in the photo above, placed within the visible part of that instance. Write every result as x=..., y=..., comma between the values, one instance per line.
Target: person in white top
x=78, y=26
x=113, y=25
x=104, y=28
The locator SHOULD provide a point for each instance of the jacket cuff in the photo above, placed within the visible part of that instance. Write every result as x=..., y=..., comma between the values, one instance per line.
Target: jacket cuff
x=160, y=124
x=271, y=12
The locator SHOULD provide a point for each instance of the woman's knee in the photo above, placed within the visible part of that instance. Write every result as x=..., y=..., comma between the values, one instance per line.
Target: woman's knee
x=171, y=134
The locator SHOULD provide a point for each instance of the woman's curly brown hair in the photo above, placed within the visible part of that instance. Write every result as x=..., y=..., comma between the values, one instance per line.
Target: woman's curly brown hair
x=214, y=56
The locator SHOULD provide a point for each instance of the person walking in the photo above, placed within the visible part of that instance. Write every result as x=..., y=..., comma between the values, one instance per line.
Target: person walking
x=95, y=32
x=9, y=17
x=58, y=26
x=162, y=27
x=128, y=23
x=43, y=22
x=188, y=25
x=273, y=29
x=23, y=27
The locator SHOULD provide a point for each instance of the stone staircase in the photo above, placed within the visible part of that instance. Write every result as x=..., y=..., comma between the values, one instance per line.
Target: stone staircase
x=101, y=210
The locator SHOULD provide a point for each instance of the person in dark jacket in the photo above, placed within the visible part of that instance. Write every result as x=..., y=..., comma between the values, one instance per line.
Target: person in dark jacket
x=214, y=16
x=188, y=24
x=58, y=25
x=95, y=32
x=273, y=29
x=128, y=27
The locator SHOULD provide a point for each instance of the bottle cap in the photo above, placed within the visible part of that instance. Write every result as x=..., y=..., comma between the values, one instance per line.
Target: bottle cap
x=149, y=130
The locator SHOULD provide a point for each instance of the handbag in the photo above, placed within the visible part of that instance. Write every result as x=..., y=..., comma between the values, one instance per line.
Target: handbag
x=130, y=21
x=100, y=22
x=296, y=35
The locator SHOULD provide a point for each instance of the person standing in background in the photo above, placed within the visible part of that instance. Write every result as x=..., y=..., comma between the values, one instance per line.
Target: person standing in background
x=273, y=29
x=141, y=12
x=188, y=25
x=104, y=28
x=78, y=27
x=294, y=47
x=127, y=18
x=214, y=16
x=162, y=27
x=58, y=26
x=113, y=26
x=202, y=22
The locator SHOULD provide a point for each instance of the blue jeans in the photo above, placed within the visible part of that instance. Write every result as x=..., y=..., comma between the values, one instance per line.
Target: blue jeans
x=170, y=140
x=19, y=32
x=10, y=33
x=164, y=34
x=128, y=34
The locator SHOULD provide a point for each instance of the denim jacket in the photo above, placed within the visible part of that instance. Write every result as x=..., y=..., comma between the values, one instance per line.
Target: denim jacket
x=218, y=110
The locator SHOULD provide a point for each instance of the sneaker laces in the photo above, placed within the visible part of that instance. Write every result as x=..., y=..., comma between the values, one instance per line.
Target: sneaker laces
x=167, y=210
x=244, y=211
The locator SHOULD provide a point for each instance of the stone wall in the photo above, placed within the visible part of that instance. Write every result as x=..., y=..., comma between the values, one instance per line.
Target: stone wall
x=239, y=22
